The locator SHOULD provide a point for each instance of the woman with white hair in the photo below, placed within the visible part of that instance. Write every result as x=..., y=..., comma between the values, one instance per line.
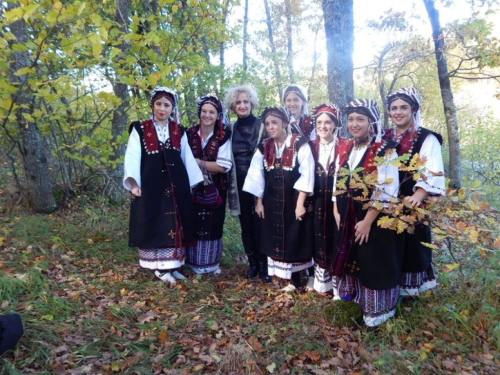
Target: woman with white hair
x=247, y=134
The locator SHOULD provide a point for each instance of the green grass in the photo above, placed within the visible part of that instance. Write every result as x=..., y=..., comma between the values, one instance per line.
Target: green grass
x=88, y=308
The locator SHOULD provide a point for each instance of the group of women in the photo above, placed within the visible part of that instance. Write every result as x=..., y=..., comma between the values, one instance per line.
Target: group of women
x=307, y=200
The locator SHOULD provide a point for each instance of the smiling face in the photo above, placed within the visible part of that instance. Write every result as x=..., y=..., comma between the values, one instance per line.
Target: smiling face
x=325, y=127
x=208, y=115
x=243, y=106
x=358, y=125
x=401, y=115
x=294, y=104
x=275, y=127
x=162, y=109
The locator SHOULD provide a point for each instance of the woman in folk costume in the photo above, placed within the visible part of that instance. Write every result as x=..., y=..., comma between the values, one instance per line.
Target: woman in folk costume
x=159, y=171
x=367, y=259
x=295, y=100
x=412, y=138
x=326, y=121
x=211, y=146
x=246, y=133
x=281, y=176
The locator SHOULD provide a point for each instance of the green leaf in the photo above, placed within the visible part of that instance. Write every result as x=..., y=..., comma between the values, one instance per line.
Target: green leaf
x=23, y=71
x=13, y=14
x=95, y=40
x=19, y=47
x=28, y=117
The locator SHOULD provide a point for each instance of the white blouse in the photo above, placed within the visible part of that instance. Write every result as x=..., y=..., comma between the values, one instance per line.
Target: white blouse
x=432, y=184
x=326, y=153
x=224, y=154
x=387, y=186
x=255, y=180
x=132, y=163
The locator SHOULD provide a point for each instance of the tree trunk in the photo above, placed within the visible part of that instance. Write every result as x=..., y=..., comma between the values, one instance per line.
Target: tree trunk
x=455, y=158
x=315, y=61
x=222, y=47
x=36, y=165
x=273, y=49
x=339, y=31
x=245, y=41
x=289, y=38
x=119, y=121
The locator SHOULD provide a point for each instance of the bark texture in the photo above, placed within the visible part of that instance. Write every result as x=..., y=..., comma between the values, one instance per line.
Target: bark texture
x=119, y=121
x=277, y=72
x=339, y=29
x=245, y=41
x=35, y=161
x=455, y=158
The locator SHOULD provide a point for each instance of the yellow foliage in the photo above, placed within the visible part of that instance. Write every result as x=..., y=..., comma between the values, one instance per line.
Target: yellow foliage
x=451, y=267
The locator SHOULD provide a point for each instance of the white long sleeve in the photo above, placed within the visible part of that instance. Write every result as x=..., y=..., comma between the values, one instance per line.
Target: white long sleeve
x=307, y=169
x=224, y=158
x=431, y=150
x=387, y=180
x=132, y=162
x=192, y=168
x=255, y=181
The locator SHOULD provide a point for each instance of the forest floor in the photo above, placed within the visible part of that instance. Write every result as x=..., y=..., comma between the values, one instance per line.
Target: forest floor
x=88, y=308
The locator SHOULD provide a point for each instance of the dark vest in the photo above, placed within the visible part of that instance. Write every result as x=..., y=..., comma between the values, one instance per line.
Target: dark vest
x=209, y=223
x=411, y=144
x=282, y=236
x=324, y=222
x=244, y=141
x=162, y=216
x=378, y=263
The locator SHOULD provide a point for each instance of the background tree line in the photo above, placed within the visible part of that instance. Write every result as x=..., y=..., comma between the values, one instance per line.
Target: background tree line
x=75, y=74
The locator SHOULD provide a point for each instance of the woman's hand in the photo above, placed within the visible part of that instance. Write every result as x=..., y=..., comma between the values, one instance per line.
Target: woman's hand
x=300, y=211
x=136, y=191
x=259, y=208
x=362, y=231
x=417, y=198
x=336, y=215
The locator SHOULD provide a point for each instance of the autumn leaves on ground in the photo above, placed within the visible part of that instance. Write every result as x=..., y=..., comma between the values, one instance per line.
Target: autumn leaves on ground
x=88, y=308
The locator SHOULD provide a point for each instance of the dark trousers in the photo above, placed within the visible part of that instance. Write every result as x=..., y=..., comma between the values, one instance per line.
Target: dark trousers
x=248, y=220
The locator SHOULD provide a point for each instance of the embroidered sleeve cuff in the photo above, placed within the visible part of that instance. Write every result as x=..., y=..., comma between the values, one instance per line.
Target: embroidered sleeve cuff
x=430, y=189
x=224, y=163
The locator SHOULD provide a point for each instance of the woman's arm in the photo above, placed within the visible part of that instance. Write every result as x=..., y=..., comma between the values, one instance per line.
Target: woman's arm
x=132, y=162
x=363, y=227
x=300, y=209
x=211, y=166
x=336, y=214
x=259, y=208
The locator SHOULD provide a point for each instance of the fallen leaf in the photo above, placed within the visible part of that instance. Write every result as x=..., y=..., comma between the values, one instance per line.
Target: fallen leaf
x=162, y=336
x=271, y=368
x=448, y=365
x=149, y=316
